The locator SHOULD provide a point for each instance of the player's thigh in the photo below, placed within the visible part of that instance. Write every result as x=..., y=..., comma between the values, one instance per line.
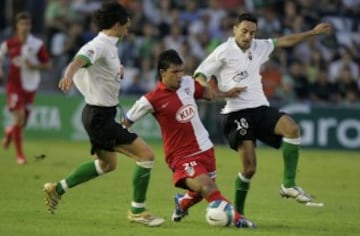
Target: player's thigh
x=15, y=99
x=287, y=127
x=267, y=120
x=137, y=149
x=191, y=167
x=29, y=97
x=238, y=127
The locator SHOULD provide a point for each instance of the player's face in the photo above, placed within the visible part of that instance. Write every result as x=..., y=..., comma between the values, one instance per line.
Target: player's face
x=171, y=77
x=23, y=27
x=123, y=29
x=244, y=33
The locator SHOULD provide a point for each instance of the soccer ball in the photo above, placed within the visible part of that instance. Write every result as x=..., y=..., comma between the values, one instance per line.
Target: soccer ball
x=220, y=213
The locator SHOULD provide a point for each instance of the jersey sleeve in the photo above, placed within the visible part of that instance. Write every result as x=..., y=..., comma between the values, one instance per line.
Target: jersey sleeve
x=267, y=47
x=210, y=65
x=139, y=109
x=43, y=54
x=90, y=53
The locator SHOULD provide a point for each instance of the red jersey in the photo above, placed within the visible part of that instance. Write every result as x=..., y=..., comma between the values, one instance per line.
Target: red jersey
x=34, y=51
x=176, y=111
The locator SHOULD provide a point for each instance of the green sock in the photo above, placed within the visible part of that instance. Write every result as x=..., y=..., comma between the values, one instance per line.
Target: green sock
x=141, y=180
x=83, y=173
x=242, y=185
x=290, y=156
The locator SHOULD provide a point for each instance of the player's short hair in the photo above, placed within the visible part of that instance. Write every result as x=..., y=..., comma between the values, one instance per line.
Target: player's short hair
x=22, y=16
x=109, y=14
x=246, y=17
x=167, y=58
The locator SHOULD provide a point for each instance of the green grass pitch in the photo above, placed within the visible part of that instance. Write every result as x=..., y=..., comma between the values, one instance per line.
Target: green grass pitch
x=99, y=207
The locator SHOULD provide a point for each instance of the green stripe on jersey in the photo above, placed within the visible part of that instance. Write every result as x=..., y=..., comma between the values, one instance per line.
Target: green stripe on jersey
x=86, y=59
x=274, y=41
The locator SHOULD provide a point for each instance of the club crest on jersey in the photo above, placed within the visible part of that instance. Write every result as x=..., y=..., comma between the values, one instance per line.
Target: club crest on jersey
x=90, y=53
x=185, y=113
x=187, y=91
x=240, y=76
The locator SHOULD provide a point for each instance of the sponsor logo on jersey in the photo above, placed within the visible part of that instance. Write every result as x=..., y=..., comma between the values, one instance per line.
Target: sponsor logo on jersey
x=240, y=76
x=185, y=113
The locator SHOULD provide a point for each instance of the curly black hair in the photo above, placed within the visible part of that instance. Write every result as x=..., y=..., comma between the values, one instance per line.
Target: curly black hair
x=109, y=14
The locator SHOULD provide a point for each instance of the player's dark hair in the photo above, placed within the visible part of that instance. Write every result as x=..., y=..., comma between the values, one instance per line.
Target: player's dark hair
x=246, y=17
x=109, y=14
x=167, y=58
x=22, y=16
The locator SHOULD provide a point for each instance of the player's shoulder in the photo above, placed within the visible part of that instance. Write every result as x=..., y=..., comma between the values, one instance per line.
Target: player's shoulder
x=188, y=79
x=35, y=41
x=260, y=44
x=11, y=41
x=153, y=94
x=225, y=48
x=226, y=45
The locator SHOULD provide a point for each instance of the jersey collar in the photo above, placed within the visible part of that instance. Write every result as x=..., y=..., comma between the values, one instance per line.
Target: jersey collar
x=162, y=86
x=237, y=47
x=112, y=39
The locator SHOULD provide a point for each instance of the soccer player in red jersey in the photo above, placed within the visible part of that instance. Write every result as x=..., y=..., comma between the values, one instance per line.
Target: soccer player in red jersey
x=28, y=56
x=189, y=152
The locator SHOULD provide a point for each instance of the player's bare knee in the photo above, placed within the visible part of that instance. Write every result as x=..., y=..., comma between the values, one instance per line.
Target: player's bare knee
x=293, y=131
x=107, y=166
x=249, y=172
x=147, y=155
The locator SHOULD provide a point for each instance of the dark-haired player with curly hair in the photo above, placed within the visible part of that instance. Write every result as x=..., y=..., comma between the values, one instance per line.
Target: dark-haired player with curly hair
x=96, y=71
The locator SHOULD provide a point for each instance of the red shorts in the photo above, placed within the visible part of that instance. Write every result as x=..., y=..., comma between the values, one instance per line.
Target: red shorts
x=18, y=98
x=190, y=167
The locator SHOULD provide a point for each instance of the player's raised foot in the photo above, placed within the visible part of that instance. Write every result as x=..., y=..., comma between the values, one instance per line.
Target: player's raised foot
x=7, y=139
x=52, y=198
x=21, y=160
x=178, y=213
x=295, y=192
x=145, y=218
x=244, y=223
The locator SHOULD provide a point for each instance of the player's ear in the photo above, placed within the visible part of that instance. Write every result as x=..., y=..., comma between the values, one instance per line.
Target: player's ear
x=235, y=28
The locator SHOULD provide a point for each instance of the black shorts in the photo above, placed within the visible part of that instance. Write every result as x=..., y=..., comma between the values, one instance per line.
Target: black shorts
x=104, y=132
x=252, y=124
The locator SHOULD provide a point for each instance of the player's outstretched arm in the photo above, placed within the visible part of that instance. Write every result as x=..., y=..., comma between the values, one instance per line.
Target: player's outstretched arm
x=212, y=91
x=66, y=82
x=292, y=39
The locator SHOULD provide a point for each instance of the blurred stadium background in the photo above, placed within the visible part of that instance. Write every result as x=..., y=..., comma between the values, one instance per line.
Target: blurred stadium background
x=317, y=81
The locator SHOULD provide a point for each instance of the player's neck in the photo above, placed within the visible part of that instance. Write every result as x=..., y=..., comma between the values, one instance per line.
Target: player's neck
x=22, y=37
x=242, y=48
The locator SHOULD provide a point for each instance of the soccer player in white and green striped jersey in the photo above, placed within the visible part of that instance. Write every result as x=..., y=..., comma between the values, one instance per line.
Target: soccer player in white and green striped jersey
x=248, y=117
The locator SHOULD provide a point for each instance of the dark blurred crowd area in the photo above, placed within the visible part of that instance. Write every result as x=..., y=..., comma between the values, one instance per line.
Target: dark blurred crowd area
x=322, y=70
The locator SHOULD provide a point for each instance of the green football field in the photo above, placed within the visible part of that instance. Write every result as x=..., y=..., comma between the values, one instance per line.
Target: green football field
x=99, y=207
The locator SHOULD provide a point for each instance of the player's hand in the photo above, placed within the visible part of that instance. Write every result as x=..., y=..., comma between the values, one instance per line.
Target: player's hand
x=121, y=71
x=322, y=28
x=65, y=84
x=234, y=92
x=30, y=65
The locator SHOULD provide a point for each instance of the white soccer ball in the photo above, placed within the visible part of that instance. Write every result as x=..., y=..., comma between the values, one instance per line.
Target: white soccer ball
x=220, y=213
